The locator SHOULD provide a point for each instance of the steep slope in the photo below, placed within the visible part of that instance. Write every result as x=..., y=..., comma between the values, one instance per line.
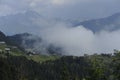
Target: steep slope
x=27, y=41
x=2, y=36
x=33, y=43
x=6, y=44
x=110, y=23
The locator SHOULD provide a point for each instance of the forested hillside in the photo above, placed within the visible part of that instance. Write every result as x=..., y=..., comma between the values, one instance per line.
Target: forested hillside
x=88, y=67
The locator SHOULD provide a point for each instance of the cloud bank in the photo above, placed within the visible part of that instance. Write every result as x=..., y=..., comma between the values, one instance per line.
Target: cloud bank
x=79, y=40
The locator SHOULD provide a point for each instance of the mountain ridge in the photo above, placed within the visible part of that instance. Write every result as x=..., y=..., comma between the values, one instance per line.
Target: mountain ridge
x=110, y=23
x=32, y=20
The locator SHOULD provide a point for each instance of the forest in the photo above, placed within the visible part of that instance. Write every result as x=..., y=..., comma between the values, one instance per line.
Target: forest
x=87, y=67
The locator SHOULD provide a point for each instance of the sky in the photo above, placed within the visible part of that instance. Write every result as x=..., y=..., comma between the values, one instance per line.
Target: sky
x=65, y=9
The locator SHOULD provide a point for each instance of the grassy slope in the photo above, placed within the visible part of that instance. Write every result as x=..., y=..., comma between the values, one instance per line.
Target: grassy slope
x=3, y=46
x=42, y=58
x=36, y=58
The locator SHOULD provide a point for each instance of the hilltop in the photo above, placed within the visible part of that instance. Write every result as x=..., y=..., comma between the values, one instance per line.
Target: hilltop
x=10, y=44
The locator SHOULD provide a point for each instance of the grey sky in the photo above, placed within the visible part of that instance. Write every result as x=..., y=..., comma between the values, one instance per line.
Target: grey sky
x=74, y=9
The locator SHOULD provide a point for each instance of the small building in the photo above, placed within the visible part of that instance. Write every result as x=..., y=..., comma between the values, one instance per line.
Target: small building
x=7, y=50
x=31, y=53
x=2, y=42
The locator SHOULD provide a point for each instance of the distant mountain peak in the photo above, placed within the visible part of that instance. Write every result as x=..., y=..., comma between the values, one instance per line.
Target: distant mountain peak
x=109, y=23
x=23, y=34
x=20, y=22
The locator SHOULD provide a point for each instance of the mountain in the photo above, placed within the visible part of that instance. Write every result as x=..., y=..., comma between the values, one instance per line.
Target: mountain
x=33, y=43
x=110, y=23
x=30, y=20
x=21, y=22
x=2, y=36
x=6, y=44
x=30, y=43
x=27, y=41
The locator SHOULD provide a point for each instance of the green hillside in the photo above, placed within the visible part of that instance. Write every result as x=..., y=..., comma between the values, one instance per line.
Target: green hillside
x=6, y=43
x=88, y=67
x=14, y=51
x=42, y=58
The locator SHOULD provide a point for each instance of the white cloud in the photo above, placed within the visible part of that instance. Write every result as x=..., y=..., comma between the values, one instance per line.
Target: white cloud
x=80, y=41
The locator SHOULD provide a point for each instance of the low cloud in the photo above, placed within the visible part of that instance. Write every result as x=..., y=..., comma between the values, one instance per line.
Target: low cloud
x=79, y=40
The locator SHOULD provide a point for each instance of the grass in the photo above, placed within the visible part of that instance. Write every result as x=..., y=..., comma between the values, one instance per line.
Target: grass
x=36, y=58
x=17, y=52
x=42, y=58
x=3, y=46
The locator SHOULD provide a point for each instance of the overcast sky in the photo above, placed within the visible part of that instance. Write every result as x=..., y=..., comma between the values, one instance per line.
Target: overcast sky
x=66, y=9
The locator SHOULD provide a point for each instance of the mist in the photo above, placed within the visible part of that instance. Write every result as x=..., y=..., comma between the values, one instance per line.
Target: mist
x=79, y=40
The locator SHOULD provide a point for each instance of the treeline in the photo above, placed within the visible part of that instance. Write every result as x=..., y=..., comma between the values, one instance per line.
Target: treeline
x=88, y=67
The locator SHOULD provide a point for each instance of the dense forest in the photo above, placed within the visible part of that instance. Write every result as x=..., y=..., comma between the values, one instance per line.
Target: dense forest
x=87, y=67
